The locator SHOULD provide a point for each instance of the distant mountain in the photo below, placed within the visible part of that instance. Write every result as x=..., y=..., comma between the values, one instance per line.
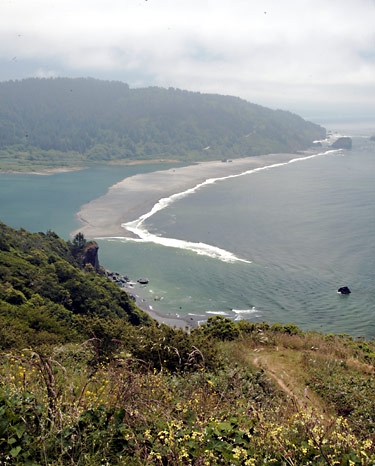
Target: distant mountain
x=106, y=120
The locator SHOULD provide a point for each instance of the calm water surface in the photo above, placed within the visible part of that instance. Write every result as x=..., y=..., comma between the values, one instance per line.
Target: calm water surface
x=307, y=228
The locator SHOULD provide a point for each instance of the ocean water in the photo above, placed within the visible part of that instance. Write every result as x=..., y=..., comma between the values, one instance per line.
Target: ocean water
x=300, y=231
x=41, y=203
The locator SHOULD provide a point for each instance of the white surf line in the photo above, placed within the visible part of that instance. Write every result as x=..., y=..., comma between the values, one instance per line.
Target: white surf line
x=137, y=226
x=201, y=249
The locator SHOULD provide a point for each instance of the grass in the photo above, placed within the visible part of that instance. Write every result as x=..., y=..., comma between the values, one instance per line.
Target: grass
x=61, y=409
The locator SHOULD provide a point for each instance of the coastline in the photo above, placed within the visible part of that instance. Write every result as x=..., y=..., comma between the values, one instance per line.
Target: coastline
x=134, y=196
x=45, y=171
x=137, y=195
x=168, y=319
x=142, y=162
x=147, y=306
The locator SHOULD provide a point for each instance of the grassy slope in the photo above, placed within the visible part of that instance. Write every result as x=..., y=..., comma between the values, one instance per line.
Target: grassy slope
x=250, y=409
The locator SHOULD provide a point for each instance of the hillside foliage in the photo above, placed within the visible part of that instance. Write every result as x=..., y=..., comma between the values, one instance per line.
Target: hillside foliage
x=87, y=378
x=44, y=292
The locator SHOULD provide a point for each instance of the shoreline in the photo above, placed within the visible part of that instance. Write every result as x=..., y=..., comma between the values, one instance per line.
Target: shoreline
x=142, y=162
x=172, y=320
x=134, y=196
x=45, y=171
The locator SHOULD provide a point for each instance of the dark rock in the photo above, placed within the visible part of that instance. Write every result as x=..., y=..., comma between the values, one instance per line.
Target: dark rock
x=317, y=144
x=120, y=280
x=143, y=281
x=372, y=138
x=342, y=143
x=90, y=255
x=344, y=290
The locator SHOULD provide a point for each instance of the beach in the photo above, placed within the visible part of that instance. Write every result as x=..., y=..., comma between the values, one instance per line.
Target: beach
x=134, y=196
x=45, y=171
x=139, y=293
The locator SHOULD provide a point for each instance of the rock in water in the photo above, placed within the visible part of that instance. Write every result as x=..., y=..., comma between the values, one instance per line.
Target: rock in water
x=344, y=290
x=143, y=281
x=342, y=143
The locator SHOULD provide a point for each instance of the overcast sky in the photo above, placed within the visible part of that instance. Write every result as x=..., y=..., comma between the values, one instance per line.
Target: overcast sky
x=314, y=57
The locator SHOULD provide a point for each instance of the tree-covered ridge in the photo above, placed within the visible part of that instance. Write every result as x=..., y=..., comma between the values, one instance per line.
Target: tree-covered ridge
x=44, y=291
x=78, y=119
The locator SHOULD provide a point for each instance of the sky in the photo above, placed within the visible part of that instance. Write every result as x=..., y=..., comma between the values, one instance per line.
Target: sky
x=312, y=57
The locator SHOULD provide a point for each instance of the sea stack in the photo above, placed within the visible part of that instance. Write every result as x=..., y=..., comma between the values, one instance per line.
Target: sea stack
x=90, y=255
x=342, y=143
x=343, y=290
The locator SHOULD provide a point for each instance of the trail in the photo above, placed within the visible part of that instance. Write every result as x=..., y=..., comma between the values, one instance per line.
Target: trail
x=279, y=381
x=292, y=385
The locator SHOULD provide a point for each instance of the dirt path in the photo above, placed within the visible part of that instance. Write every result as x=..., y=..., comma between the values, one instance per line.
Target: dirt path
x=287, y=382
x=278, y=380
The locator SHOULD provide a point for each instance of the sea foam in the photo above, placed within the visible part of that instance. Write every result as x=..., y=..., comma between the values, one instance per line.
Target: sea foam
x=138, y=228
x=241, y=312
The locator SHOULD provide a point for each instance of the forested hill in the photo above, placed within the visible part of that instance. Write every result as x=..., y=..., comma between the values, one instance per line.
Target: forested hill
x=47, y=293
x=103, y=120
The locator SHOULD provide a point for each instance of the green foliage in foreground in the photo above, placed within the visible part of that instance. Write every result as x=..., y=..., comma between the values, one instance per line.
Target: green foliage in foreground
x=67, y=407
x=63, y=122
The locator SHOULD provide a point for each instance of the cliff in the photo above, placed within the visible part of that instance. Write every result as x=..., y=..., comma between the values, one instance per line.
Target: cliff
x=90, y=255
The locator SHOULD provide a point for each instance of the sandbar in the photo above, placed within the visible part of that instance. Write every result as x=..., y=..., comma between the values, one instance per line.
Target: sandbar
x=136, y=195
x=44, y=171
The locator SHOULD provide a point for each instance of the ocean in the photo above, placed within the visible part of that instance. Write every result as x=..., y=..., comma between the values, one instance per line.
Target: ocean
x=288, y=237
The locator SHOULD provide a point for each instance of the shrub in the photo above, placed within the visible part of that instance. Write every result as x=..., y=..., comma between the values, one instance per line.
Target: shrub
x=219, y=328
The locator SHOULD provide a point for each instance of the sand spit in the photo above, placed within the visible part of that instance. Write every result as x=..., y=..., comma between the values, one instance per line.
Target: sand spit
x=45, y=171
x=136, y=195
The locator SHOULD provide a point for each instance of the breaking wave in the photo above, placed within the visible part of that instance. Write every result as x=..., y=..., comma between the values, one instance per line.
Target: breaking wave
x=138, y=228
x=240, y=313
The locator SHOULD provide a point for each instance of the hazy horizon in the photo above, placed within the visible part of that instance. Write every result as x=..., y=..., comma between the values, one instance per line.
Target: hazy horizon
x=312, y=58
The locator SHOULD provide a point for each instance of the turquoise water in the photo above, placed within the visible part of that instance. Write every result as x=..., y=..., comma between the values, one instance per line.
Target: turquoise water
x=41, y=203
x=307, y=228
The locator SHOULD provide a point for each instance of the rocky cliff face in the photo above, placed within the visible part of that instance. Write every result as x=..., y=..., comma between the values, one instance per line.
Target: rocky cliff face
x=342, y=143
x=90, y=255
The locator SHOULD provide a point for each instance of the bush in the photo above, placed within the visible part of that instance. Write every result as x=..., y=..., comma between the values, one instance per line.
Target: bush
x=219, y=328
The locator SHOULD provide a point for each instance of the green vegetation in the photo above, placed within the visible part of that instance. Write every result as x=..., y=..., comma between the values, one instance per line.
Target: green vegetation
x=64, y=122
x=46, y=290
x=87, y=378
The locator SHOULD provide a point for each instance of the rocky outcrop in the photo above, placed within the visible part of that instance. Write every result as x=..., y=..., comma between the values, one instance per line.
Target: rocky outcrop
x=342, y=143
x=121, y=280
x=90, y=255
x=343, y=290
x=143, y=281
